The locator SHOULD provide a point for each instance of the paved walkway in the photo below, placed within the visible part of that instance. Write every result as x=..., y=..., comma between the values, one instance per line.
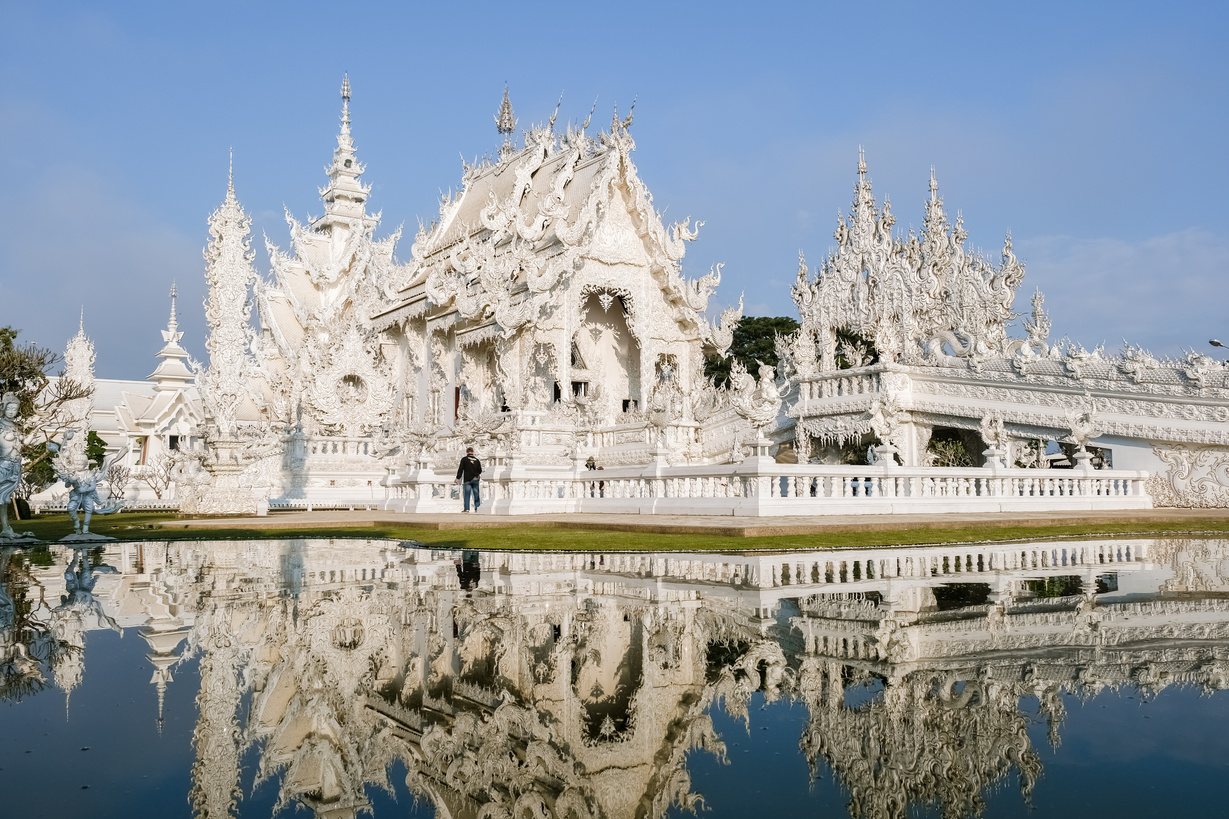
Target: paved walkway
x=699, y=524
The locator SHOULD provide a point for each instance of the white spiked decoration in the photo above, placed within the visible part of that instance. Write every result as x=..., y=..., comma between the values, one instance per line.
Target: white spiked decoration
x=230, y=276
x=78, y=367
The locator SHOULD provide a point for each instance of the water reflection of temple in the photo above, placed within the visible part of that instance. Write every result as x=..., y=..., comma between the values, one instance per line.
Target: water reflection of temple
x=575, y=685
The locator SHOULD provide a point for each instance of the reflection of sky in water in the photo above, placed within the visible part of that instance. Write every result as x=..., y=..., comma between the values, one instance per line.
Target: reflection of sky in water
x=1118, y=758
x=1121, y=751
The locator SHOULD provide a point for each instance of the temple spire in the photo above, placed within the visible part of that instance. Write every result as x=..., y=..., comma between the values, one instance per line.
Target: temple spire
x=230, y=277
x=505, y=123
x=345, y=196
x=172, y=325
x=861, y=163
x=172, y=372
x=78, y=368
x=345, y=103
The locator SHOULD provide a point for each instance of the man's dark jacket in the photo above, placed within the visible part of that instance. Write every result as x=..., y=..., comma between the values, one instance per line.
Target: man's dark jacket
x=469, y=469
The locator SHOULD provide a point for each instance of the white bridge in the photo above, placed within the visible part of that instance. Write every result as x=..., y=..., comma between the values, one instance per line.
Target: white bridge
x=760, y=487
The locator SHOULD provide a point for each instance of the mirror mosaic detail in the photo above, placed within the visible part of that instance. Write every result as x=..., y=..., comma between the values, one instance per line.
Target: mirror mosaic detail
x=348, y=678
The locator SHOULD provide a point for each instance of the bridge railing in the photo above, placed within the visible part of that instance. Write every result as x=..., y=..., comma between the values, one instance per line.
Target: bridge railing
x=759, y=486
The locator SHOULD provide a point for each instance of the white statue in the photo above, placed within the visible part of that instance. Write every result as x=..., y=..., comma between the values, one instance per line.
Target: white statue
x=82, y=482
x=10, y=461
x=1082, y=420
x=758, y=402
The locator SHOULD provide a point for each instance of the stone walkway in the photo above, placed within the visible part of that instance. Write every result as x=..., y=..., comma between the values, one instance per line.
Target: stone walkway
x=699, y=524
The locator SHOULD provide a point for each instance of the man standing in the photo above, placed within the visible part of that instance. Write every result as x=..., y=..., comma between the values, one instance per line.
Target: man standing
x=467, y=475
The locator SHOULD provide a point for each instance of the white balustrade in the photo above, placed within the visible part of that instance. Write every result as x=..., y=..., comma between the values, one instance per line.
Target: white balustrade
x=761, y=487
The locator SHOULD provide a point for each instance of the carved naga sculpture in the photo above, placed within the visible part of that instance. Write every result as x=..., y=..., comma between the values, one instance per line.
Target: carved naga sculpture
x=759, y=403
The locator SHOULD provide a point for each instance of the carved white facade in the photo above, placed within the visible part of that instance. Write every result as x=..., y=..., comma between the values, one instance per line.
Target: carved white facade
x=903, y=336
x=545, y=319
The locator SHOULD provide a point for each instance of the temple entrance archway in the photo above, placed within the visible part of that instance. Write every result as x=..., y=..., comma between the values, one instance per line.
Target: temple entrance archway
x=606, y=356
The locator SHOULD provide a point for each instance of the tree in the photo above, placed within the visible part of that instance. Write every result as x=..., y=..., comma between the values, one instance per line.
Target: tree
x=158, y=473
x=755, y=339
x=118, y=478
x=947, y=448
x=95, y=449
x=43, y=406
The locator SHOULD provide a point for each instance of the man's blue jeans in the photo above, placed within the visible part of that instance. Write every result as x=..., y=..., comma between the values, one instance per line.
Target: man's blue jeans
x=470, y=489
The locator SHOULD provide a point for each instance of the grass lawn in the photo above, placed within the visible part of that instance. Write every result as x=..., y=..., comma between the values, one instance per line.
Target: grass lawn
x=143, y=526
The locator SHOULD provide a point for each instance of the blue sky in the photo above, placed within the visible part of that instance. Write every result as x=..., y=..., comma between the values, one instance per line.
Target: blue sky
x=1095, y=132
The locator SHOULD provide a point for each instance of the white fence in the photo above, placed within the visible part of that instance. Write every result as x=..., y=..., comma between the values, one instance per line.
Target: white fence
x=761, y=487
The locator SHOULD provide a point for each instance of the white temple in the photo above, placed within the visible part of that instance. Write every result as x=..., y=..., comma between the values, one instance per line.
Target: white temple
x=545, y=319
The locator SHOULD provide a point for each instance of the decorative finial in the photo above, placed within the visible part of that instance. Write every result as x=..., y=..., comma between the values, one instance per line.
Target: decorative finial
x=81, y=324
x=934, y=183
x=550, y=128
x=230, y=174
x=173, y=324
x=631, y=112
x=345, y=104
x=589, y=118
x=505, y=121
x=505, y=124
x=161, y=688
x=861, y=161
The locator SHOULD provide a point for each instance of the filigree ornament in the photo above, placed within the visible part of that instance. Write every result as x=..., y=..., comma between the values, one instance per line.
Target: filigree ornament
x=351, y=386
x=1136, y=362
x=903, y=297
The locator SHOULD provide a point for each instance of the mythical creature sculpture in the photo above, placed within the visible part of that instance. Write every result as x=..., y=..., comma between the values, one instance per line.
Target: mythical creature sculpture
x=1136, y=362
x=887, y=416
x=994, y=433
x=1083, y=423
x=1199, y=368
x=73, y=469
x=758, y=402
x=1077, y=359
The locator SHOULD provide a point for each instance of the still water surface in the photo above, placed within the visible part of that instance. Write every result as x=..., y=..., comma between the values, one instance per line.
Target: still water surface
x=345, y=678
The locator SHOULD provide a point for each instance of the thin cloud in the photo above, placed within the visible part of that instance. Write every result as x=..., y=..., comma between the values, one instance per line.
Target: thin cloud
x=117, y=261
x=1166, y=292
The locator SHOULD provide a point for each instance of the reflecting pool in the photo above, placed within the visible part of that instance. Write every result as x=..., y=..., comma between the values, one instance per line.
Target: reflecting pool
x=345, y=678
